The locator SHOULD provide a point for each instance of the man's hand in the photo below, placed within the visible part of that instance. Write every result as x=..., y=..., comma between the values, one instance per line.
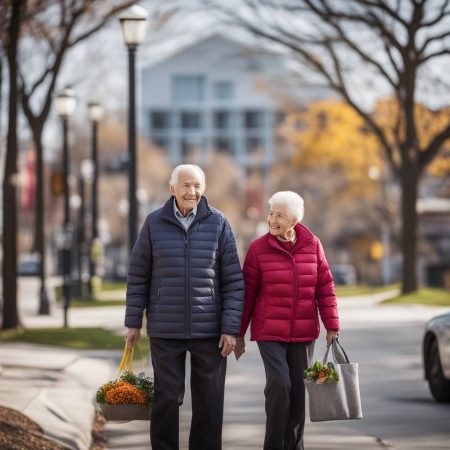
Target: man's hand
x=239, y=350
x=132, y=336
x=331, y=335
x=227, y=343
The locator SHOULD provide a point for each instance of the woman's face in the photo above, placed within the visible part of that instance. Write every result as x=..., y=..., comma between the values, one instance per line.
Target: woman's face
x=279, y=221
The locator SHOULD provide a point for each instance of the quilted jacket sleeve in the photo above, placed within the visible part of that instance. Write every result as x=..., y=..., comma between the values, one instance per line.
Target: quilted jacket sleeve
x=252, y=279
x=325, y=292
x=138, y=282
x=232, y=282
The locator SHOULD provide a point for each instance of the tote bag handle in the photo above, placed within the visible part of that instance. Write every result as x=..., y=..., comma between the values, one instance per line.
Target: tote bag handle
x=339, y=355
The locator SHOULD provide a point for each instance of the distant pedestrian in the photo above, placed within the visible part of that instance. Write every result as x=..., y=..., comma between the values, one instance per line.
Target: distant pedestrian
x=287, y=286
x=185, y=276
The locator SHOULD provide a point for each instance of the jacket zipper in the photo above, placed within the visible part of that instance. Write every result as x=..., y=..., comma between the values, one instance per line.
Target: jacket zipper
x=188, y=289
x=187, y=323
x=294, y=297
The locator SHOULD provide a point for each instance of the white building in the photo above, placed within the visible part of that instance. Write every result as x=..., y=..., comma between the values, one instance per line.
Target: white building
x=216, y=94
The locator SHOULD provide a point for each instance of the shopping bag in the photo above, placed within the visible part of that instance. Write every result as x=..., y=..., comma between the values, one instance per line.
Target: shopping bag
x=129, y=396
x=336, y=400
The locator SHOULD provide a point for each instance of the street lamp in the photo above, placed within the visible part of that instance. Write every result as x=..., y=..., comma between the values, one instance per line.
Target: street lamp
x=384, y=245
x=65, y=105
x=86, y=177
x=133, y=23
x=95, y=112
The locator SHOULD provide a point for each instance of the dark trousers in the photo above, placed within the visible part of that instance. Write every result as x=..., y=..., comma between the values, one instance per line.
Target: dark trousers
x=208, y=369
x=284, y=364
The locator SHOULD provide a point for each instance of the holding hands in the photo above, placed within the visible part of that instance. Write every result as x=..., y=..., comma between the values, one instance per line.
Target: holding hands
x=239, y=350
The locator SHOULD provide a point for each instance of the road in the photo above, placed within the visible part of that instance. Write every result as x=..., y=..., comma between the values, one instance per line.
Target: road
x=399, y=412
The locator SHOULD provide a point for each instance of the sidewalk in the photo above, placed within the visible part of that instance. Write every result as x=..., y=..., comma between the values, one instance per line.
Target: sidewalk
x=56, y=388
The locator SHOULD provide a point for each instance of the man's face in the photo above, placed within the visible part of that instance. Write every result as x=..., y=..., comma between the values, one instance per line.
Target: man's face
x=187, y=191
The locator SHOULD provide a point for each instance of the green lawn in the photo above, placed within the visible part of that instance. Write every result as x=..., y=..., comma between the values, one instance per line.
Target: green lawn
x=111, y=286
x=348, y=291
x=79, y=303
x=95, y=303
x=425, y=296
x=75, y=338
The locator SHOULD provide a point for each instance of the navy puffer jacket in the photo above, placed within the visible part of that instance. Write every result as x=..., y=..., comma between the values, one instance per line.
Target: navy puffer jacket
x=190, y=282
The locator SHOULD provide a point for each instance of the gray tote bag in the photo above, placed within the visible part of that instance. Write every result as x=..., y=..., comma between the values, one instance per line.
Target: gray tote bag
x=336, y=401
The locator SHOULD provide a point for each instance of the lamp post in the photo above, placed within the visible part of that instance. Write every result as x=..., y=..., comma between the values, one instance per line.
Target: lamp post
x=376, y=175
x=86, y=178
x=95, y=112
x=133, y=23
x=65, y=105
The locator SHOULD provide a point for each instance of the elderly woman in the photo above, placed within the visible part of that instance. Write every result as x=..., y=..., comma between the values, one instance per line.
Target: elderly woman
x=287, y=285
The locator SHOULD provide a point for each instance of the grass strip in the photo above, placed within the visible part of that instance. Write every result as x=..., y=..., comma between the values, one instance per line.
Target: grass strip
x=74, y=338
x=349, y=291
x=424, y=296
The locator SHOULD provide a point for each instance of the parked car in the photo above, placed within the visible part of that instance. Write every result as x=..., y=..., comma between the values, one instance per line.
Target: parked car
x=344, y=274
x=28, y=265
x=436, y=356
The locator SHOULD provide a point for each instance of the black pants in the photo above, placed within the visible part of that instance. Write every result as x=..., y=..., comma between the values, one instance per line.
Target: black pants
x=208, y=369
x=284, y=364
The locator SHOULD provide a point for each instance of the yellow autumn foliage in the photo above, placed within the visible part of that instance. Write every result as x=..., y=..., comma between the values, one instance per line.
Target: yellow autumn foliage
x=330, y=133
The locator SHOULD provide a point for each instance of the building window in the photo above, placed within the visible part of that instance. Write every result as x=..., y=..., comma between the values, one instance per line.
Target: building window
x=224, y=145
x=222, y=120
x=159, y=120
x=191, y=120
x=191, y=147
x=253, y=144
x=223, y=90
x=188, y=88
x=254, y=119
x=161, y=142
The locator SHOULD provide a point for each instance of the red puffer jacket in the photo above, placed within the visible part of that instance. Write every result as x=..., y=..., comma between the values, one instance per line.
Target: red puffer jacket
x=285, y=292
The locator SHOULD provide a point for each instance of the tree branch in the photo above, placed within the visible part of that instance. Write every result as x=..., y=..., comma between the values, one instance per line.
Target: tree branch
x=364, y=56
x=426, y=156
x=434, y=55
x=383, y=6
x=112, y=12
x=442, y=13
x=437, y=37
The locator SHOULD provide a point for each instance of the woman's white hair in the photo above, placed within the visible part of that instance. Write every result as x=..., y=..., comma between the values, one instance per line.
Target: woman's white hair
x=192, y=167
x=295, y=203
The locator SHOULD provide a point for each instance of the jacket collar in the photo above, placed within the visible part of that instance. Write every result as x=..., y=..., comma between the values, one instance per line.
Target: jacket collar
x=304, y=236
x=168, y=213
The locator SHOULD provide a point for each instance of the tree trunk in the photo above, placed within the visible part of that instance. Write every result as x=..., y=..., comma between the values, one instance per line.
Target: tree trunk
x=9, y=269
x=409, y=181
x=39, y=233
x=39, y=238
x=1, y=90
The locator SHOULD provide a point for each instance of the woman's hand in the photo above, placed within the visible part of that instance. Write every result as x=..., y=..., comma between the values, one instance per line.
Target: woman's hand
x=239, y=350
x=331, y=334
x=132, y=336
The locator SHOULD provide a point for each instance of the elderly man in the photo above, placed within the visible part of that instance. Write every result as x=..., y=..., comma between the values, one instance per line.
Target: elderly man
x=185, y=274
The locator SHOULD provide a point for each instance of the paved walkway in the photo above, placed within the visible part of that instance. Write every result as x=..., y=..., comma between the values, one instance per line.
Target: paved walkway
x=56, y=387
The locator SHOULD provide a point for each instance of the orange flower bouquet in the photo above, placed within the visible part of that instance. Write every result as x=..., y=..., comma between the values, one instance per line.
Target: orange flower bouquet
x=129, y=397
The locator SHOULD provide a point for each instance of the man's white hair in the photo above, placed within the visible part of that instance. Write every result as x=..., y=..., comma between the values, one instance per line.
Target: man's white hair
x=192, y=167
x=293, y=201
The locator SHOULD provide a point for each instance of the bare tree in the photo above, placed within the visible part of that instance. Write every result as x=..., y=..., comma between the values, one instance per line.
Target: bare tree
x=57, y=26
x=361, y=46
